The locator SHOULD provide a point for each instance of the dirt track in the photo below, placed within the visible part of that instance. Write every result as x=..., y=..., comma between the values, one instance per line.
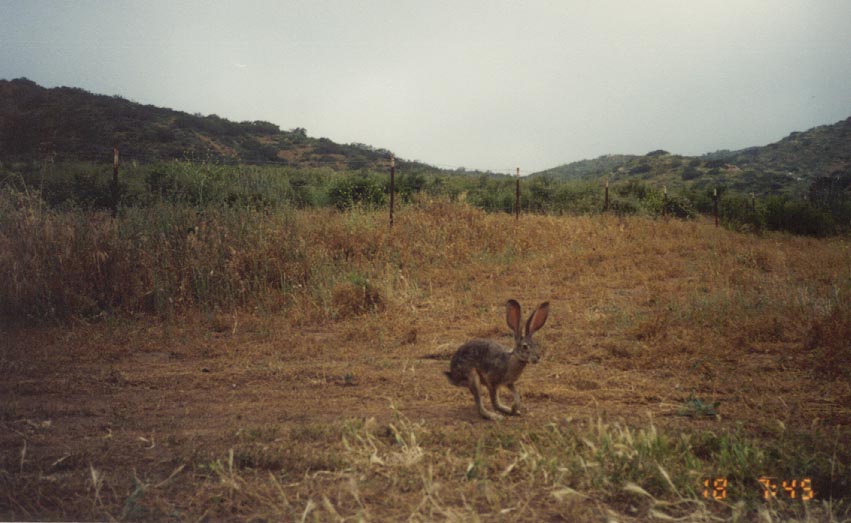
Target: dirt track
x=149, y=397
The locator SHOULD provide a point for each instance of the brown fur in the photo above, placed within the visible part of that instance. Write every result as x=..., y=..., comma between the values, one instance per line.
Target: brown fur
x=486, y=362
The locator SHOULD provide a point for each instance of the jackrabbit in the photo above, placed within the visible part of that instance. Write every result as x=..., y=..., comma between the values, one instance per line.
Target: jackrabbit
x=484, y=361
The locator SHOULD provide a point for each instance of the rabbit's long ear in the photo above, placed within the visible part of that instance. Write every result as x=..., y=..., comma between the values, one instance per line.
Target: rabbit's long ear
x=513, y=317
x=538, y=318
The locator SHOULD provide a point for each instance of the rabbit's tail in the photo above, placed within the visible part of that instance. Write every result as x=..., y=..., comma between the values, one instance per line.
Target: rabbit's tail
x=454, y=379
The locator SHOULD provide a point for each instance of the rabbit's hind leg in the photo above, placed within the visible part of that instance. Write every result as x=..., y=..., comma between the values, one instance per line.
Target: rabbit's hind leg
x=474, y=383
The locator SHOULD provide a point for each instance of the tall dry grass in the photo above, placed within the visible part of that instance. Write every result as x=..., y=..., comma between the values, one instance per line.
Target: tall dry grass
x=168, y=258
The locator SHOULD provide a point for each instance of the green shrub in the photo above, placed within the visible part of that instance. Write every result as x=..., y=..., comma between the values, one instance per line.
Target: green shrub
x=623, y=206
x=407, y=185
x=656, y=203
x=679, y=207
x=738, y=212
x=799, y=217
x=360, y=189
x=641, y=169
x=690, y=173
x=634, y=188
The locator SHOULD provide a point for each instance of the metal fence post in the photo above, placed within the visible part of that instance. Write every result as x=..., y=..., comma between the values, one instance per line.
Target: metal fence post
x=392, y=187
x=517, y=196
x=115, y=181
x=715, y=206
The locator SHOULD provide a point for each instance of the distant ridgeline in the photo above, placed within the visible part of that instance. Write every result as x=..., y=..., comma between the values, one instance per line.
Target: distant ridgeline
x=73, y=124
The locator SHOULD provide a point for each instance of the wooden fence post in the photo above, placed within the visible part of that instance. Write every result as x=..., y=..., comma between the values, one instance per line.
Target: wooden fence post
x=665, y=200
x=606, y=201
x=392, y=187
x=115, y=181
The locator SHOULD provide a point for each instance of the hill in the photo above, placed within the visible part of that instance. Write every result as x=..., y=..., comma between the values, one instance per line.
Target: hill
x=68, y=123
x=789, y=166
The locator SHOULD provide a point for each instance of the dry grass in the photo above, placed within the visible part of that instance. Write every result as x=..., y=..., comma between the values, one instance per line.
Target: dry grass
x=291, y=368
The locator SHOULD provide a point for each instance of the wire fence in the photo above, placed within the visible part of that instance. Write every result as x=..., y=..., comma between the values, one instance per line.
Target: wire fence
x=388, y=181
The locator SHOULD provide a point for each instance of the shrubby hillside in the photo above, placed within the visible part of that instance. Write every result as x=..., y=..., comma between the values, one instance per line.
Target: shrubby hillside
x=68, y=123
x=788, y=167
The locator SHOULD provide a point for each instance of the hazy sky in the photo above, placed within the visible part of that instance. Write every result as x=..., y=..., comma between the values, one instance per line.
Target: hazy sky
x=489, y=85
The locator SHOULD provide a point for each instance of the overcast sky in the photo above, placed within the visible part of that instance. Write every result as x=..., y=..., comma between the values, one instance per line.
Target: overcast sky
x=489, y=85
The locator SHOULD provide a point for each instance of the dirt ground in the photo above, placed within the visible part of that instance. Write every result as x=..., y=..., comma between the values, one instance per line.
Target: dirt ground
x=145, y=398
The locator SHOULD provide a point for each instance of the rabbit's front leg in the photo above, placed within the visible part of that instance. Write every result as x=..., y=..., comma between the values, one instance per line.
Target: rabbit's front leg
x=496, y=404
x=515, y=407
